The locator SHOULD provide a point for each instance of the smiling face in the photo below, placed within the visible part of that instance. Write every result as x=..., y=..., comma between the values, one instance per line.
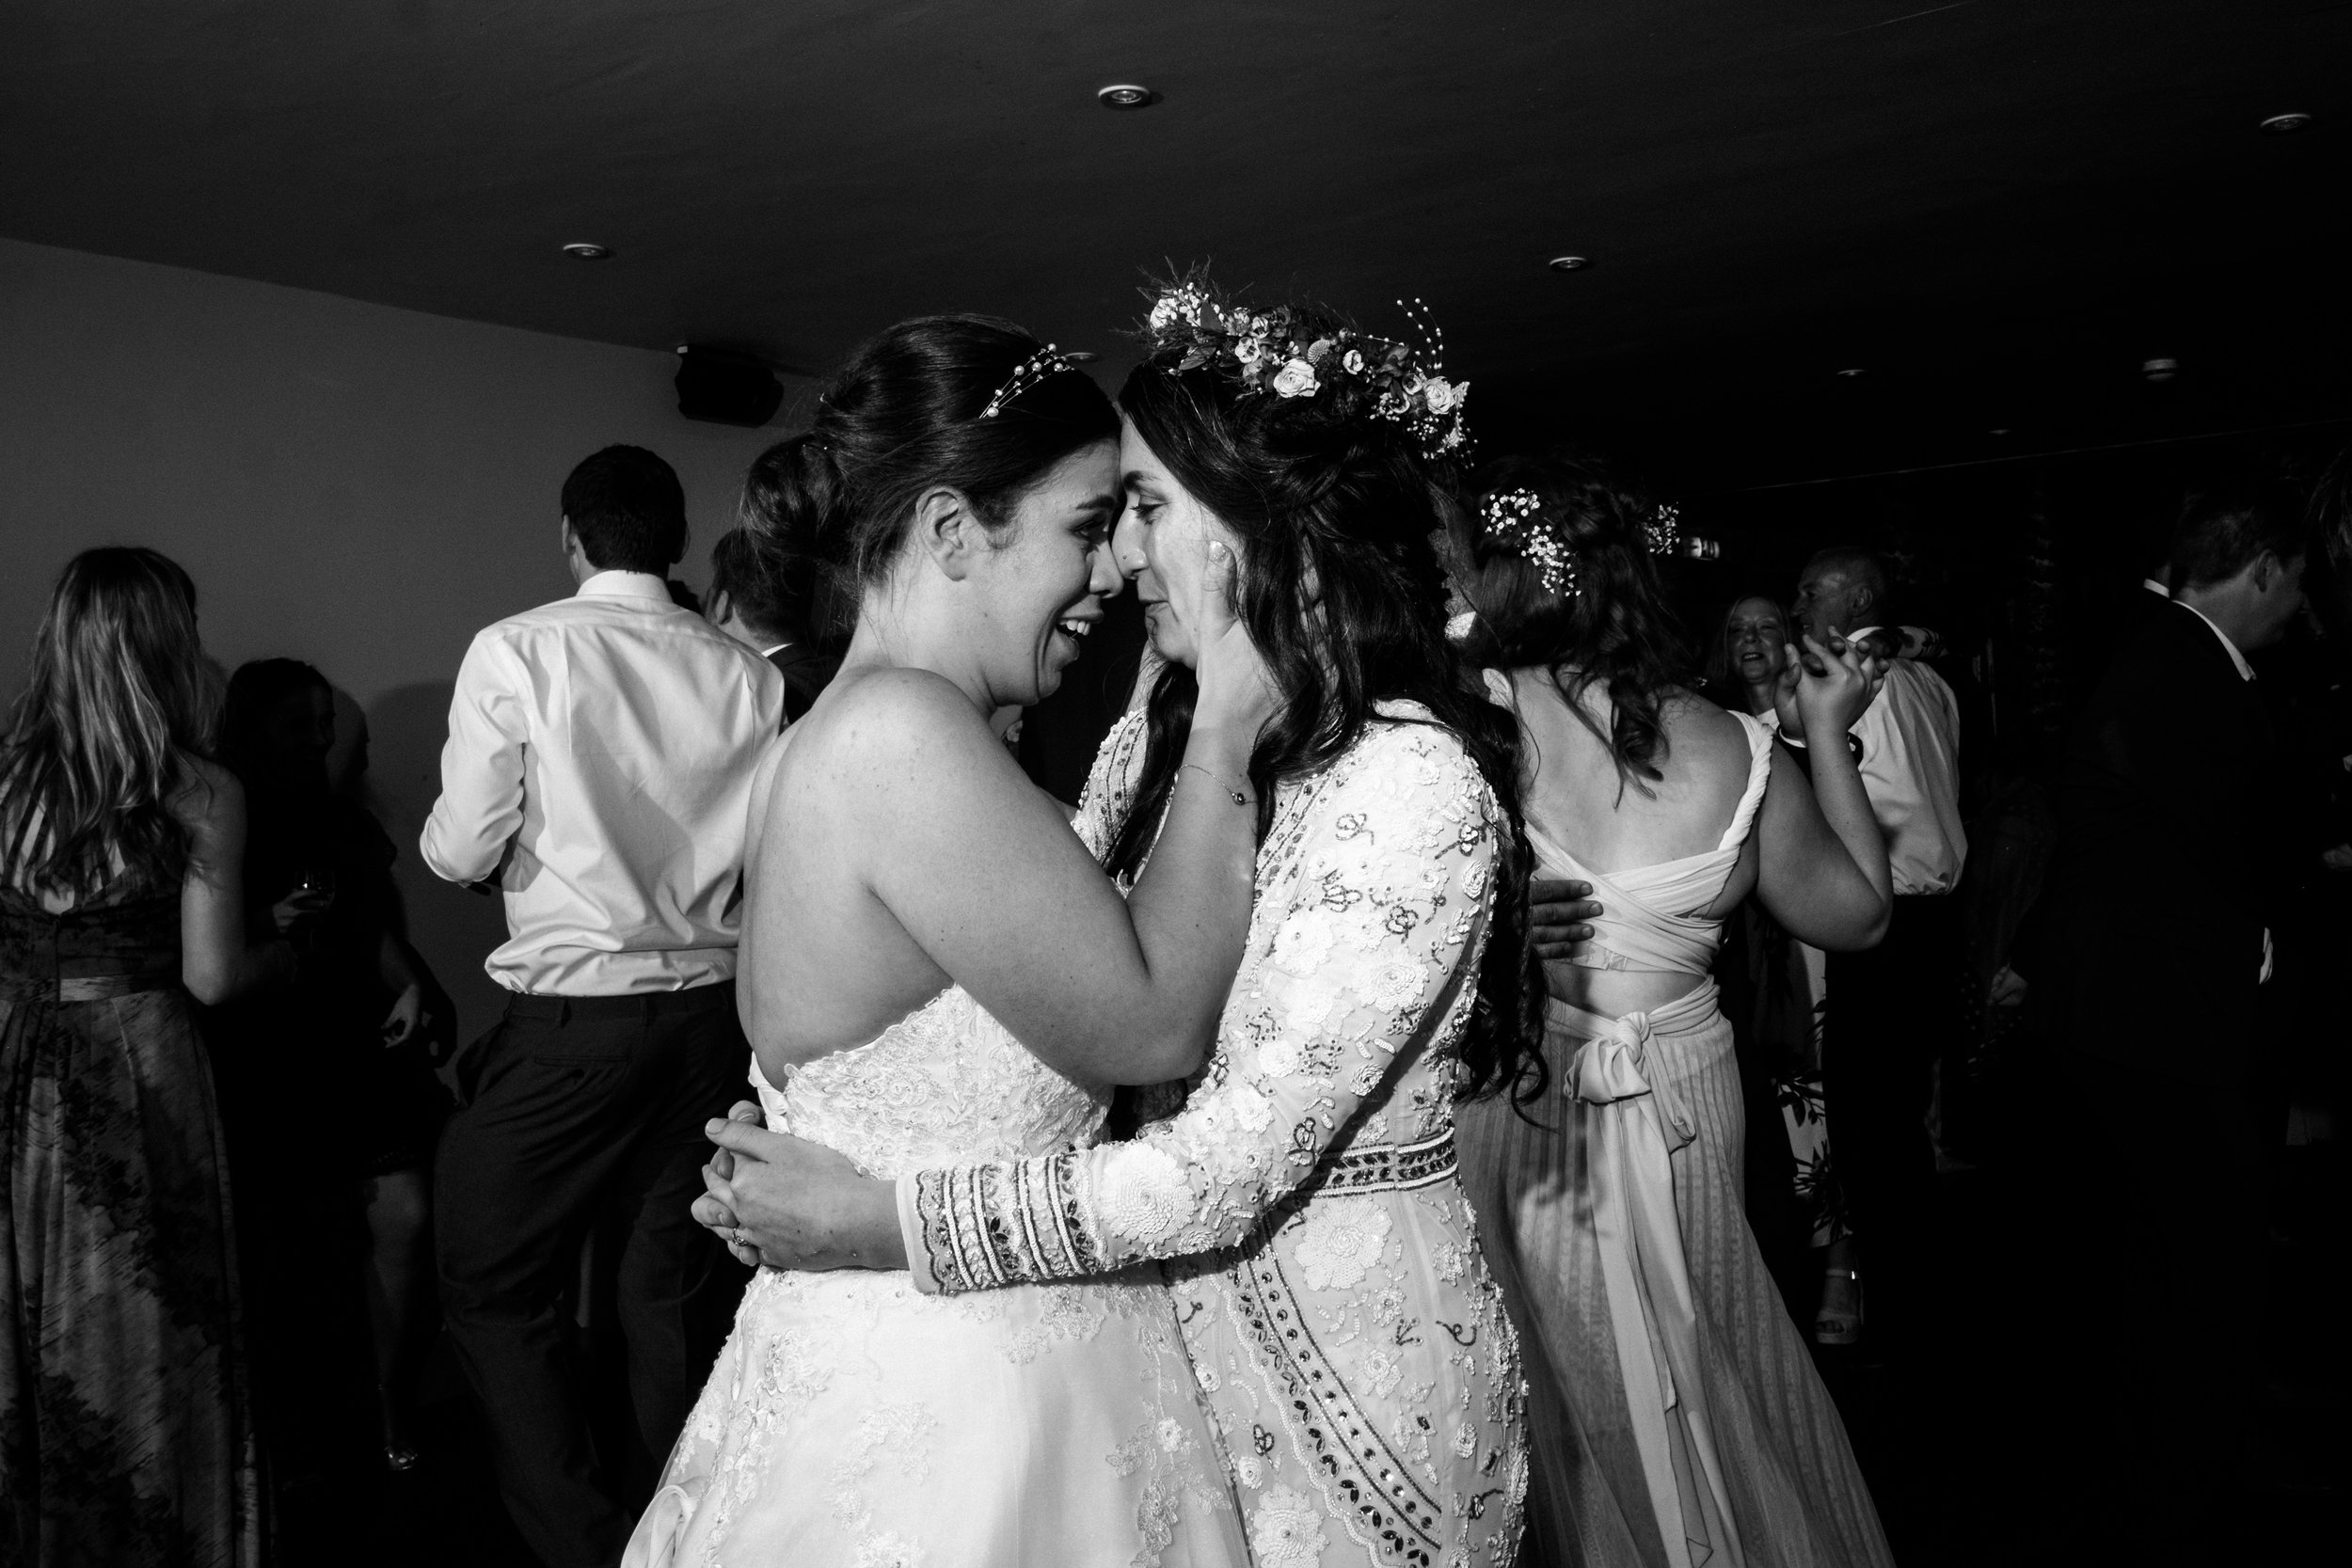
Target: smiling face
x=1756, y=635
x=1042, y=587
x=1163, y=543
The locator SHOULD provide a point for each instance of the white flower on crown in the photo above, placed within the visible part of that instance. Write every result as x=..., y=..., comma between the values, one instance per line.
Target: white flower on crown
x=1295, y=380
x=1352, y=362
x=1441, y=395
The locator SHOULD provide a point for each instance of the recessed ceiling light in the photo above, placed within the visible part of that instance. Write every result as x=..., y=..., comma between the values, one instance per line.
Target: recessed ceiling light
x=1082, y=356
x=1851, y=371
x=583, y=250
x=1127, y=95
x=1570, y=264
x=1998, y=430
x=2278, y=125
x=2159, y=370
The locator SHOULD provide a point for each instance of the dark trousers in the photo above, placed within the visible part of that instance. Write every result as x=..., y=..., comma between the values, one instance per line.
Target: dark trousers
x=1892, y=1011
x=585, y=1114
x=2163, y=1200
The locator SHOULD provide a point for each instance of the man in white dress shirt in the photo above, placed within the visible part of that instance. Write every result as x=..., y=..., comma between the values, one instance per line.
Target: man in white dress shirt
x=1893, y=1009
x=597, y=772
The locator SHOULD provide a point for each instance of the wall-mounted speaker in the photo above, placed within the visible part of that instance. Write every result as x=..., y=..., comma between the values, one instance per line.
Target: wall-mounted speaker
x=725, y=386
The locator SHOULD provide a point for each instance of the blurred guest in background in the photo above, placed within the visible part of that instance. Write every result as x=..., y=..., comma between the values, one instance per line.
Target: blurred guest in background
x=1777, y=998
x=599, y=773
x=1893, y=1011
x=2172, y=779
x=336, y=1235
x=1752, y=653
x=762, y=596
x=125, y=1437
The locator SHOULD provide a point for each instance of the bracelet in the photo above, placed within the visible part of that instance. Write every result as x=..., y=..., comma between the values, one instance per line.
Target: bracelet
x=1233, y=795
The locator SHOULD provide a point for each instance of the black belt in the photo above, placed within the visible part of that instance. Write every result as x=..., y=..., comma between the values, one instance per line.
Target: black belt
x=649, y=1004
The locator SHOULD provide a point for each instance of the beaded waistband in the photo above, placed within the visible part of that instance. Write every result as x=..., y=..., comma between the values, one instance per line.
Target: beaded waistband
x=1387, y=1167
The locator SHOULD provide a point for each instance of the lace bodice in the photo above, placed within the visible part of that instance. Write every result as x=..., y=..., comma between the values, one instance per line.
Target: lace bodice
x=1373, y=897
x=946, y=1082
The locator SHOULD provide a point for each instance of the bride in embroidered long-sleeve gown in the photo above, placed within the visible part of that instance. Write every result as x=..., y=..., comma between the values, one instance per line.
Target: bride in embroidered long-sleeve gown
x=911, y=902
x=1303, y=1199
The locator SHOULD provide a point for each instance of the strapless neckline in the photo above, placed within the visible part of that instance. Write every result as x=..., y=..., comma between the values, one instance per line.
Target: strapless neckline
x=946, y=1085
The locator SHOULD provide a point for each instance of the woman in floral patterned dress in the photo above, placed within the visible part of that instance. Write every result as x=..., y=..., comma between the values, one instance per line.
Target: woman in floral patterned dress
x=1303, y=1201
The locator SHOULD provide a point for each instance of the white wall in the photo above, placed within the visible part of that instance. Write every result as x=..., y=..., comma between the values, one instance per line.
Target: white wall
x=353, y=485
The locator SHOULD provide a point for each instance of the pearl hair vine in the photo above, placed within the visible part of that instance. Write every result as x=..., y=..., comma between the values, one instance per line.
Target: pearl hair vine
x=1047, y=361
x=1663, y=528
x=1515, y=520
x=1283, y=352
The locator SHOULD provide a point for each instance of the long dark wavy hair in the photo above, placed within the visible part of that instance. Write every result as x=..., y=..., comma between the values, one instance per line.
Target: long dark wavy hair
x=1615, y=631
x=831, y=507
x=119, y=687
x=1319, y=490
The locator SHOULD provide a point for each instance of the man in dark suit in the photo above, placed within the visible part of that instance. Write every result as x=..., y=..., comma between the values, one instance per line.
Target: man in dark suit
x=763, y=600
x=2169, y=786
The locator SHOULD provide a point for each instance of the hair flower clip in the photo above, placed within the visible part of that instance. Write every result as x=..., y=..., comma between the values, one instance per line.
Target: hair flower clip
x=1515, y=520
x=1663, y=528
x=1288, y=354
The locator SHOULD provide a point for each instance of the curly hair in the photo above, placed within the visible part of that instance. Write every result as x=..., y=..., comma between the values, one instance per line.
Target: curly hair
x=1613, y=629
x=1337, y=515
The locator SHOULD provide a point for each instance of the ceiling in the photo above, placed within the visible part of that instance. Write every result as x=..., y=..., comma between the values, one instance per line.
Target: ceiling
x=1999, y=208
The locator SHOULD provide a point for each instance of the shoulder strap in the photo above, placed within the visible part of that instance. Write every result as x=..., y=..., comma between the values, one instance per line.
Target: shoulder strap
x=1760, y=773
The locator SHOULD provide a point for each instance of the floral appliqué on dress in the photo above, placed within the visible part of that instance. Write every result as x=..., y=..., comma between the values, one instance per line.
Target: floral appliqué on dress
x=1304, y=1202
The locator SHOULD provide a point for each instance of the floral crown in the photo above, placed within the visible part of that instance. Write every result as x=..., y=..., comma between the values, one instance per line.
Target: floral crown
x=1283, y=352
x=1514, y=520
x=1047, y=361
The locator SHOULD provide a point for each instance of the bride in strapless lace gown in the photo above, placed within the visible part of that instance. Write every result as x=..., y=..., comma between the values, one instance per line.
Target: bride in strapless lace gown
x=936, y=972
x=853, y=1419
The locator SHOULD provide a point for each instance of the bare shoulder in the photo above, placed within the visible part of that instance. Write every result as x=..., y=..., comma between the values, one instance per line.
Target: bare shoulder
x=204, y=791
x=893, y=732
x=1704, y=735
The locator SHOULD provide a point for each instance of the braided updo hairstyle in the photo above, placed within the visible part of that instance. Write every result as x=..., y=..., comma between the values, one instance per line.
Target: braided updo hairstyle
x=1335, y=513
x=830, y=508
x=1614, y=629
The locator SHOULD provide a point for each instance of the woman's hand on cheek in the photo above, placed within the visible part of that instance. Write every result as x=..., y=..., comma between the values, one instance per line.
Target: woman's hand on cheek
x=1237, y=692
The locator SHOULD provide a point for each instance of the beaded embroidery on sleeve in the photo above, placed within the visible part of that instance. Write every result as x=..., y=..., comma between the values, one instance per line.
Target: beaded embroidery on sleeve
x=1383, y=867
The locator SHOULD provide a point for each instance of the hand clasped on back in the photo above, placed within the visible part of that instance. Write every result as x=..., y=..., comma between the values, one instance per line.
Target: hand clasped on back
x=786, y=1203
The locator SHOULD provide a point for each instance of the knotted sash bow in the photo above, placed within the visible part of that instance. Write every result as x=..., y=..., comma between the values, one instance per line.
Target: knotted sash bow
x=1631, y=1132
